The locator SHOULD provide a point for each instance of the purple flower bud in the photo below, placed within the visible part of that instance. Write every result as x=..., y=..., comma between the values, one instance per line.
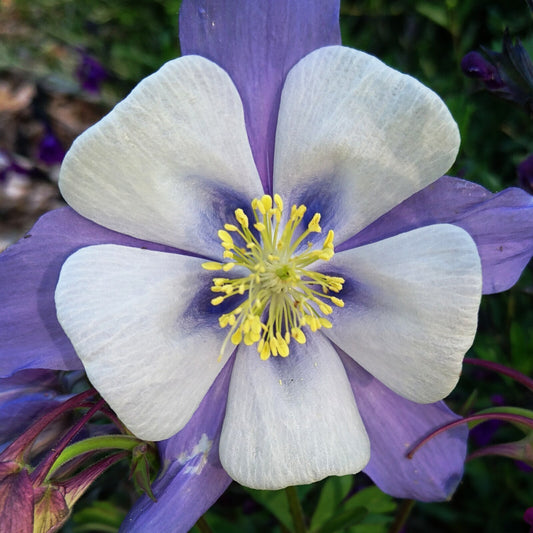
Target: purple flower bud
x=50, y=510
x=525, y=174
x=16, y=498
x=474, y=65
x=508, y=74
x=34, y=498
x=27, y=505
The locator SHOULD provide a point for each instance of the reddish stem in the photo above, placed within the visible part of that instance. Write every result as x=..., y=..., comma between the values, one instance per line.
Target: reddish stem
x=17, y=449
x=502, y=369
x=39, y=474
x=505, y=450
x=77, y=485
x=489, y=416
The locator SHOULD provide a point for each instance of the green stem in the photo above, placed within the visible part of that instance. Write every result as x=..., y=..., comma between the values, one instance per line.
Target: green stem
x=295, y=508
x=92, y=444
x=203, y=526
x=402, y=515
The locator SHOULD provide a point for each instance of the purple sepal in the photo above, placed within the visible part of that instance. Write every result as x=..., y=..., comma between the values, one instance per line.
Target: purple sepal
x=191, y=477
x=501, y=224
x=257, y=43
x=25, y=396
x=50, y=509
x=30, y=334
x=394, y=426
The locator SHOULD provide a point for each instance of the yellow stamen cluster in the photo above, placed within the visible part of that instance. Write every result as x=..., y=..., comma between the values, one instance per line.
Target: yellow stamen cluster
x=281, y=295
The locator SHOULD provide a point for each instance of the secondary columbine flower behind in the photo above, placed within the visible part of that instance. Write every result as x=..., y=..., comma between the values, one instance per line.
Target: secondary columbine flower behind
x=171, y=164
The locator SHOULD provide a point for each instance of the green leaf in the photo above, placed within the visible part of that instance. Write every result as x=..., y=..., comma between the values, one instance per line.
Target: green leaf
x=100, y=516
x=274, y=501
x=369, y=505
x=373, y=499
x=335, y=489
x=142, y=470
x=370, y=528
x=343, y=520
x=437, y=13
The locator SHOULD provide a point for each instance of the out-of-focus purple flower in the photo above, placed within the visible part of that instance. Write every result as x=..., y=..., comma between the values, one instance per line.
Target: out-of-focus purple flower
x=51, y=152
x=524, y=467
x=483, y=433
x=90, y=73
x=507, y=74
x=525, y=174
x=497, y=400
x=475, y=65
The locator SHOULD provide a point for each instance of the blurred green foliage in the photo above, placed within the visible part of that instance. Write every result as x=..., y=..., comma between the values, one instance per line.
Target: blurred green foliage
x=426, y=39
x=130, y=39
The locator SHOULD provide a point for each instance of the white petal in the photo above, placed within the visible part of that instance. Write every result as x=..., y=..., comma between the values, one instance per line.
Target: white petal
x=291, y=421
x=355, y=138
x=165, y=164
x=141, y=326
x=411, y=305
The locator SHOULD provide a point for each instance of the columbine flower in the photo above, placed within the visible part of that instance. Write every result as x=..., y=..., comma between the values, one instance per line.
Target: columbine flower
x=177, y=152
x=172, y=164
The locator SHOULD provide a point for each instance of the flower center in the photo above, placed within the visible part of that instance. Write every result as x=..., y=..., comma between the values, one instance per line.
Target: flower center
x=281, y=295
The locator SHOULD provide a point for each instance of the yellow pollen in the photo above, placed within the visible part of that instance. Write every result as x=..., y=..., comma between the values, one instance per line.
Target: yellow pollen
x=281, y=296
